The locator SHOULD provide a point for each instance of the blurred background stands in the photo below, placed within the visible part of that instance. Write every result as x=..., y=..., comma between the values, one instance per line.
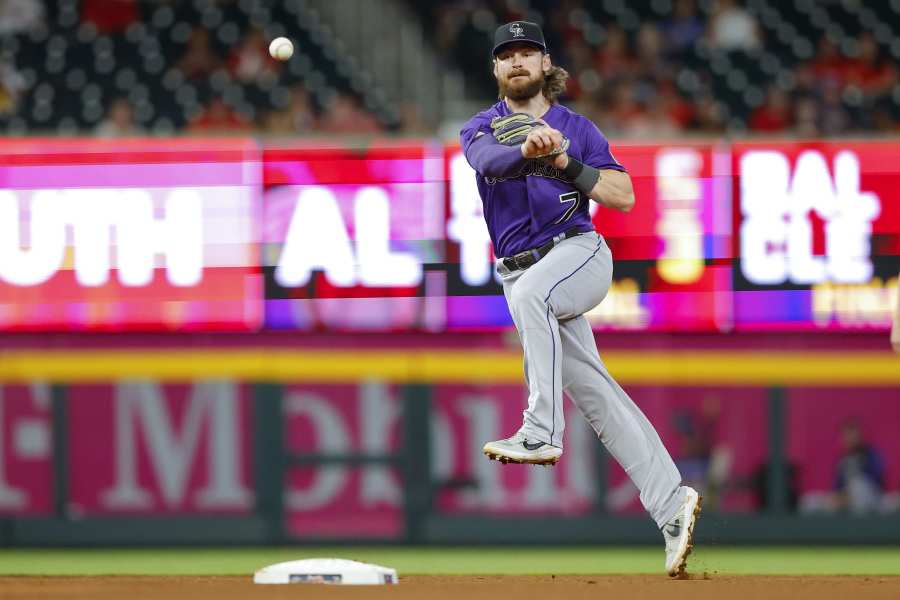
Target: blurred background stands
x=644, y=69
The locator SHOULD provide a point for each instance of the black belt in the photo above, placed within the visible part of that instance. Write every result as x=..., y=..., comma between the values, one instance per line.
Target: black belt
x=526, y=258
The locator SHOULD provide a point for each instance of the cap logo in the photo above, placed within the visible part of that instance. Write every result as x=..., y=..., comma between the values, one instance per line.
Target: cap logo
x=517, y=30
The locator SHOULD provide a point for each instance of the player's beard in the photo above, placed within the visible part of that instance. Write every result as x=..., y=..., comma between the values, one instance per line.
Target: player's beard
x=521, y=88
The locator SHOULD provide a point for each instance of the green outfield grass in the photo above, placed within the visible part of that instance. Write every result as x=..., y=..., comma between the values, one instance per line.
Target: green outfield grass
x=493, y=560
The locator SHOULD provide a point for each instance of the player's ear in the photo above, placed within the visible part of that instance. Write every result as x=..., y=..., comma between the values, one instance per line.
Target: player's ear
x=545, y=63
x=494, y=67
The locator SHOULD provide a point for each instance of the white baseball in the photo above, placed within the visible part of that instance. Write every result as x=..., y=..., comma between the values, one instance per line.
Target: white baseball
x=281, y=48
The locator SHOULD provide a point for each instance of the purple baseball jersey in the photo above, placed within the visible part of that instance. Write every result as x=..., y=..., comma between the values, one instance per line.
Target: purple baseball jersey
x=528, y=202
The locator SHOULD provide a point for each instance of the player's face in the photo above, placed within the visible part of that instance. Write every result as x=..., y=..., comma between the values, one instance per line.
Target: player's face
x=519, y=69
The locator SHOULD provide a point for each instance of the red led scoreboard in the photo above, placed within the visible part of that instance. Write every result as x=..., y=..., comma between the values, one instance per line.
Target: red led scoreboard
x=123, y=235
x=226, y=235
x=817, y=234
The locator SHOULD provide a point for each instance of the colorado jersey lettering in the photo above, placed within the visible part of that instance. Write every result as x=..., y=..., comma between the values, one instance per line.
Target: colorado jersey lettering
x=524, y=211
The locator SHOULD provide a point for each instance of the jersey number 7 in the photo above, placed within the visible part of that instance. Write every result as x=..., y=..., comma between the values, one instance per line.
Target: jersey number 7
x=575, y=199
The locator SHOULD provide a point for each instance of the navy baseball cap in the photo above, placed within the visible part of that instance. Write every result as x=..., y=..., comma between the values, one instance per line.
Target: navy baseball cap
x=519, y=31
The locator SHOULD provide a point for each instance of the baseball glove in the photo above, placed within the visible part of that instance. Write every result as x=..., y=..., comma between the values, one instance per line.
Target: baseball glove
x=512, y=130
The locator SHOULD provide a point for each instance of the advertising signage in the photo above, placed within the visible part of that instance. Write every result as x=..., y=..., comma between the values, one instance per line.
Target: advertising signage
x=187, y=235
x=103, y=235
x=817, y=233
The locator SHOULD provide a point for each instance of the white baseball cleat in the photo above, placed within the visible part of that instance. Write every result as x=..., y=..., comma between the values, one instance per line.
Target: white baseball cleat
x=518, y=449
x=679, y=533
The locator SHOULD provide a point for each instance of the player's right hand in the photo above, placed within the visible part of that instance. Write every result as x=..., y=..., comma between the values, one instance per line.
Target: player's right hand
x=541, y=141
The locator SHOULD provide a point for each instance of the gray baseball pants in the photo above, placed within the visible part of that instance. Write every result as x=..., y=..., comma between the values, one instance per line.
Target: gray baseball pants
x=547, y=302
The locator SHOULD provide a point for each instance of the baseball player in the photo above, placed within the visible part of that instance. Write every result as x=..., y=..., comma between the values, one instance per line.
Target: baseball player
x=538, y=165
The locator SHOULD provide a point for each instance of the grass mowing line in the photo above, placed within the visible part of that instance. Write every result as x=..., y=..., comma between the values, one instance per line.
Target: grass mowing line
x=480, y=561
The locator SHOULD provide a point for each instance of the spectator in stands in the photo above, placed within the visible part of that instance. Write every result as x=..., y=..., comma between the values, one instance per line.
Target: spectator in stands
x=110, y=16
x=654, y=122
x=683, y=30
x=872, y=73
x=12, y=84
x=881, y=119
x=652, y=62
x=250, y=62
x=804, y=82
x=614, y=62
x=709, y=116
x=731, y=27
x=276, y=122
x=592, y=107
x=344, y=115
x=218, y=117
x=704, y=462
x=119, y=121
x=679, y=112
x=835, y=120
x=411, y=120
x=20, y=15
x=652, y=71
x=623, y=112
x=829, y=66
x=859, y=480
x=559, y=25
x=580, y=59
x=633, y=113
x=297, y=117
x=449, y=19
x=199, y=59
x=806, y=117
x=774, y=114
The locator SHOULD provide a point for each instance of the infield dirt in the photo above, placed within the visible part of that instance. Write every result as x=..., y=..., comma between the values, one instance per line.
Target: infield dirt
x=461, y=587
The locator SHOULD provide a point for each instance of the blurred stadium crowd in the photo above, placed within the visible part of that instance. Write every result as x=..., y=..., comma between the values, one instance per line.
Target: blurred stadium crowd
x=663, y=67
x=653, y=68
x=127, y=67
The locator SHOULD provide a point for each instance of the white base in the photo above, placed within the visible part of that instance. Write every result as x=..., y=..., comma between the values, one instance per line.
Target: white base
x=326, y=570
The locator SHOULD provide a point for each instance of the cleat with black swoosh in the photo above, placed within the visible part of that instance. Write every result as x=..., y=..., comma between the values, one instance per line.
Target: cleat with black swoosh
x=679, y=533
x=518, y=449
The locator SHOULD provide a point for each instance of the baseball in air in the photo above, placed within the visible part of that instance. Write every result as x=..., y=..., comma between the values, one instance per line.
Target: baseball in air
x=281, y=48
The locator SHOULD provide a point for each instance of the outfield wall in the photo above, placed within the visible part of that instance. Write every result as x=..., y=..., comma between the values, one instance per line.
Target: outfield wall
x=222, y=439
